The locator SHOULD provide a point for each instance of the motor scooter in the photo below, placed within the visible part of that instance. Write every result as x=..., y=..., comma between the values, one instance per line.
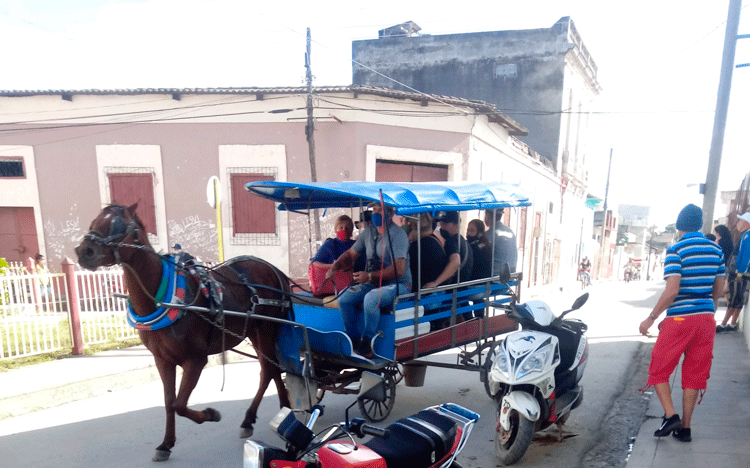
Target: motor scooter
x=535, y=374
x=431, y=438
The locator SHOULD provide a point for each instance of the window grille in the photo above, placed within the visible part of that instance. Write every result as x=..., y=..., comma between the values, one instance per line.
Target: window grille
x=253, y=220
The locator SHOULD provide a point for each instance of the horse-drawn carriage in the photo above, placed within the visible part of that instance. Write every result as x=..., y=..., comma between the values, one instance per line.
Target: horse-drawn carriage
x=315, y=351
x=184, y=312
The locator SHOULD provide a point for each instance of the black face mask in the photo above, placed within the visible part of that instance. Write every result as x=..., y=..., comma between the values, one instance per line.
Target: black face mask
x=444, y=234
x=472, y=239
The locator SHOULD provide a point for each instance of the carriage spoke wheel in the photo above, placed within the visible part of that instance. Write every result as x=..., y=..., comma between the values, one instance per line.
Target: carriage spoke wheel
x=375, y=410
x=397, y=370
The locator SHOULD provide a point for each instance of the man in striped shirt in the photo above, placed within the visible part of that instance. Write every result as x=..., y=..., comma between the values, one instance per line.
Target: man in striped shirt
x=694, y=271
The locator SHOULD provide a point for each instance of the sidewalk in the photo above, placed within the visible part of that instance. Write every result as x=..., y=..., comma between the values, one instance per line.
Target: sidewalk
x=720, y=425
x=55, y=383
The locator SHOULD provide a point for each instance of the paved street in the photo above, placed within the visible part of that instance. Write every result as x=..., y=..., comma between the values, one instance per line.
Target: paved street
x=122, y=428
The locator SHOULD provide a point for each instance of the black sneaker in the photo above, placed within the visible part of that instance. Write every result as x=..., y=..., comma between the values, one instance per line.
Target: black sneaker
x=668, y=425
x=721, y=328
x=731, y=328
x=364, y=349
x=682, y=434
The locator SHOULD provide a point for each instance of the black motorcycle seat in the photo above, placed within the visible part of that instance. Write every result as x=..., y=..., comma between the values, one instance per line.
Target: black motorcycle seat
x=417, y=441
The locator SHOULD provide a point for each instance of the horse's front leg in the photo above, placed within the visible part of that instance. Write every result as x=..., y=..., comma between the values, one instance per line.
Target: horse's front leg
x=191, y=372
x=167, y=372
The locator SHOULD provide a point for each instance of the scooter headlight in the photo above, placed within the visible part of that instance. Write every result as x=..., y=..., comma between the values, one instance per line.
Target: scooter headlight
x=255, y=455
x=501, y=362
x=535, y=362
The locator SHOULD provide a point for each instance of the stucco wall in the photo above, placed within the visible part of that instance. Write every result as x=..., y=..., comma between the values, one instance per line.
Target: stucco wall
x=522, y=72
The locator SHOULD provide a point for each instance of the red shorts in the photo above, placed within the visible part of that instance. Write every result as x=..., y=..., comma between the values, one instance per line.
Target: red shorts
x=693, y=336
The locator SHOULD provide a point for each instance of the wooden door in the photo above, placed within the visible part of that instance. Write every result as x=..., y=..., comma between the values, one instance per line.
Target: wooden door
x=18, y=240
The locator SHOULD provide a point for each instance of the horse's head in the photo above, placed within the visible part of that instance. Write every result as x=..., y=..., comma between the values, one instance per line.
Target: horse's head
x=116, y=228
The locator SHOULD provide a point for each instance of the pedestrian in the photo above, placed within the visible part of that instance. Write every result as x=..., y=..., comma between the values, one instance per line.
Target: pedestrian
x=481, y=251
x=45, y=283
x=694, y=271
x=383, y=279
x=505, y=249
x=738, y=276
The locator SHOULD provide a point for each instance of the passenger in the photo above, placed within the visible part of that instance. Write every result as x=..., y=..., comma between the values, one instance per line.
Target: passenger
x=505, y=243
x=481, y=251
x=332, y=249
x=460, y=261
x=380, y=283
x=433, y=258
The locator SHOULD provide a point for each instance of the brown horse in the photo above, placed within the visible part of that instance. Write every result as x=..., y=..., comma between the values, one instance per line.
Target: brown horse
x=249, y=285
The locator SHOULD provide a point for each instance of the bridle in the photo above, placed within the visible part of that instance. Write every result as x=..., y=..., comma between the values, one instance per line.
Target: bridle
x=118, y=229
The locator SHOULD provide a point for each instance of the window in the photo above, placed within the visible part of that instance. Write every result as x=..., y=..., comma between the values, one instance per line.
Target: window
x=11, y=168
x=134, y=185
x=253, y=218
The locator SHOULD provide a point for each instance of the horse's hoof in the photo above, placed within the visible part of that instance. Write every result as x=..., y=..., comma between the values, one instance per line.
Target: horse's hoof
x=246, y=432
x=212, y=415
x=161, y=455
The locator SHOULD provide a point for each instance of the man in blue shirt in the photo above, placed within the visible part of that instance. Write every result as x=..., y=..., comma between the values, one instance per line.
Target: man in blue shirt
x=505, y=247
x=386, y=275
x=694, y=270
x=738, y=276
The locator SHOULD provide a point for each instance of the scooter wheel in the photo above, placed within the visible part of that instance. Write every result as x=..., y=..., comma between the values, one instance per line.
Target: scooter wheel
x=511, y=445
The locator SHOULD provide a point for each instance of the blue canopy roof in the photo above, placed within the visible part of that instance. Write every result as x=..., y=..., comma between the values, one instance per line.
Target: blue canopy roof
x=405, y=197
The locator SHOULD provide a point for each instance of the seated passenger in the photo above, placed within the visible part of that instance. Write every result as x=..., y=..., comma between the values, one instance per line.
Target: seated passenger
x=433, y=258
x=384, y=278
x=332, y=249
x=460, y=260
x=481, y=251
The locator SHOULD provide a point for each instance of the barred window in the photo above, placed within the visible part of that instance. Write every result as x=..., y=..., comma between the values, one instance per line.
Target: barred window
x=254, y=220
x=12, y=168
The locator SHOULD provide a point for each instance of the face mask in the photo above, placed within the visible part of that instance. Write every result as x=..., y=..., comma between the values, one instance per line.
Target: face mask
x=444, y=234
x=472, y=238
x=341, y=235
x=377, y=219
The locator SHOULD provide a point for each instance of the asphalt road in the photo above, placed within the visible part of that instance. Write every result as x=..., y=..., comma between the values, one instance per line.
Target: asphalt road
x=122, y=429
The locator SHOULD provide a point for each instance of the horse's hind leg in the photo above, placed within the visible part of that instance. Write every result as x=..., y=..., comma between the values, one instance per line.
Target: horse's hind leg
x=266, y=373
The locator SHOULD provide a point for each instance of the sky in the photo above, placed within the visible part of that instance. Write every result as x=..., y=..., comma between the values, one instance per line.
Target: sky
x=658, y=65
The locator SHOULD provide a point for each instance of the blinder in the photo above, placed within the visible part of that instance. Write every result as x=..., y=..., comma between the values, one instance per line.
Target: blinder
x=118, y=228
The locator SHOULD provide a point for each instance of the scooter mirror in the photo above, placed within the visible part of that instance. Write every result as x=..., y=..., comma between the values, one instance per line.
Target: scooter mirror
x=504, y=273
x=580, y=301
x=371, y=387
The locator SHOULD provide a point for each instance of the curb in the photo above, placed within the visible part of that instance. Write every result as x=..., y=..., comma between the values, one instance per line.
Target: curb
x=114, y=380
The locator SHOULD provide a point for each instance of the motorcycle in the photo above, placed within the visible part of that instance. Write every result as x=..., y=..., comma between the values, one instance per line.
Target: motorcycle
x=535, y=374
x=431, y=438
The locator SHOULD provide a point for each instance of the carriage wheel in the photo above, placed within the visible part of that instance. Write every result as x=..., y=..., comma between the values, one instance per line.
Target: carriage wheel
x=377, y=411
x=397, y=370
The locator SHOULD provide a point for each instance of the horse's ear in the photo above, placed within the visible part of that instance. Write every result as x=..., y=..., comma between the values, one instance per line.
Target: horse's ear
x=132, y=208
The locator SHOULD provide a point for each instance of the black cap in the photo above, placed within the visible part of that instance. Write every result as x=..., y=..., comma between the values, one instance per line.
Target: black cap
x=447, y=217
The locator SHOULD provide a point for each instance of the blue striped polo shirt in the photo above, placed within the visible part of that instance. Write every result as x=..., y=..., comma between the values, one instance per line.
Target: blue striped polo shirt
x=698, y=262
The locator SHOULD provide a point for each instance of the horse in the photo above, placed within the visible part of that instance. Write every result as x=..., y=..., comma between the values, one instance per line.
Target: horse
x=117, y=236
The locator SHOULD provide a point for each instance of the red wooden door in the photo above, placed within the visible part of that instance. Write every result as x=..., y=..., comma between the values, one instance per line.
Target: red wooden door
x=18, y=240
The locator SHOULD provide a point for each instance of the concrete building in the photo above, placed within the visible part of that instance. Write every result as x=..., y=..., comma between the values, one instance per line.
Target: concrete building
x=65, y=154
x=543, y=78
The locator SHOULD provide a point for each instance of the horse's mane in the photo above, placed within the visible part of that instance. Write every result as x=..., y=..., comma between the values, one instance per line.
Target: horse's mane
x=125, y=210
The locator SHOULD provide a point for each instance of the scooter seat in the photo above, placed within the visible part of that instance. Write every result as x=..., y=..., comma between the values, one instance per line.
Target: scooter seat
x=417, y=441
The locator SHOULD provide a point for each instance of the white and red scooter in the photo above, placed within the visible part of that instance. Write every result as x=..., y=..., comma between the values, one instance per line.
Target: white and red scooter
x=535, y=374
x=429, y=439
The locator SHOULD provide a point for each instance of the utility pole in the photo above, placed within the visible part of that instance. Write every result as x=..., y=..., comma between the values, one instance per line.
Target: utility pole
x=310, y=129
x=720, y=117
x=602, y=244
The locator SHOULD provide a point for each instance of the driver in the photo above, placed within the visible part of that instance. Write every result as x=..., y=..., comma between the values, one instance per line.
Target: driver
x=387, y=275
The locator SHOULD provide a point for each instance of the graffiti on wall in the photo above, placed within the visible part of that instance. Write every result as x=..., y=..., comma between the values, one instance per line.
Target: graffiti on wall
x=195, y=235
x=61, y=238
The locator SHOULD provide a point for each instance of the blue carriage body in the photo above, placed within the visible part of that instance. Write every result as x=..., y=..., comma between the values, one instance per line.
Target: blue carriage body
x=401, y=321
